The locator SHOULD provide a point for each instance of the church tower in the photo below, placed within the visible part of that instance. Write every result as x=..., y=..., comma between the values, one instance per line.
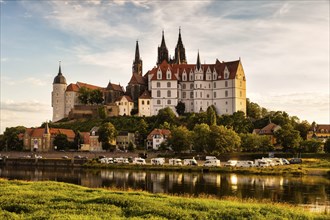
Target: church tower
x=162, y=51
x=137, y=63
x=180, y=52
x=58, y=96
x=46, y=139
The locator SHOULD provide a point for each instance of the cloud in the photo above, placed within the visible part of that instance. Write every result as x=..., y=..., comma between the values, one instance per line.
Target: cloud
x=30, y=80
x=27, y=106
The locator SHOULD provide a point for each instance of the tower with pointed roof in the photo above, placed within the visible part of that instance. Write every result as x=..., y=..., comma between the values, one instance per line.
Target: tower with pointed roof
x=137, y=63
x=162, y=51
x=180, y=52
x=58, y=95
x=46, y=143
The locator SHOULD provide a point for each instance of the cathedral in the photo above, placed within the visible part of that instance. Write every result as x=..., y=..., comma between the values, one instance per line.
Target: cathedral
x=173, y=80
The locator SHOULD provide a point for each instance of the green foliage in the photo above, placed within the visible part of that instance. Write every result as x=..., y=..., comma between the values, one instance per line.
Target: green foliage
x=102, y=112
x=211, y=115
x=88, y=96
x=130, y=147
x=96, y=97
x=255, y=143
x=84, y=95
x=107, y=134
x=201, y=137
x=223, y=140
x=61, y=142
x=311, y=146
x=254, y=111
x=288, y=138
x=180, y=139
x=327, y=146
x=54, y=200
x=166, y=115
x=11, y=139
x=180, y=108
x=303, y=128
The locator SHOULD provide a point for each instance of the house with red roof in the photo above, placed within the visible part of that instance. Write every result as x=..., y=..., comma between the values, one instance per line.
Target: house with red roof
x=157, y=137
x=268, y=130
x=319, y=132
x=125, y=104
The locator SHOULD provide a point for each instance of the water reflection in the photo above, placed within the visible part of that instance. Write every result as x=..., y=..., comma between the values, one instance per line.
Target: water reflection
x=296, y=190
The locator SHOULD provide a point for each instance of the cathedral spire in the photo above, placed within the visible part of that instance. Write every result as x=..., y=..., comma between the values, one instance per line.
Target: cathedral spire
x=180, y=52
x=137, y=63
x=59, y=68
x=162, y=51
x=198, y=64
x=46, y=128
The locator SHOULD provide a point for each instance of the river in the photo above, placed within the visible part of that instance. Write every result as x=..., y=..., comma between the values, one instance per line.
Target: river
x=311, y=191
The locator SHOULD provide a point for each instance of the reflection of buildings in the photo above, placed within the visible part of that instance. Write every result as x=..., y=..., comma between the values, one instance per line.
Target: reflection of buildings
x=214, y=179
x=158, y=180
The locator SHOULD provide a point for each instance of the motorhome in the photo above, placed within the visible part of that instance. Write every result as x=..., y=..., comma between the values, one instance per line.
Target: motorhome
x=158, y=161
x=244, y=163
x=231, y=163
x=210, y=158
x=106, y=160
x=175, y=162
x=261, y=163
x=212, y=163
x=190, y=162
x=121, y=160
x=139, y=160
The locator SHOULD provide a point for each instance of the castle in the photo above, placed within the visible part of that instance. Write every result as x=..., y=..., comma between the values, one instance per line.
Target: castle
x=172, y=80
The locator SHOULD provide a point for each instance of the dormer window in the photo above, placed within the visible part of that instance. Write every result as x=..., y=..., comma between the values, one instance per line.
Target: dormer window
x=159, y=74
x=226, y=73
x=168, y=74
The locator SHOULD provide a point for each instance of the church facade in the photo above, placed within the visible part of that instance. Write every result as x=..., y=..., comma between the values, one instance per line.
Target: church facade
x=173, y=80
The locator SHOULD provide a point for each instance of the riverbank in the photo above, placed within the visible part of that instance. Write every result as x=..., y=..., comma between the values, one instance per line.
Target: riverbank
x=54, y=200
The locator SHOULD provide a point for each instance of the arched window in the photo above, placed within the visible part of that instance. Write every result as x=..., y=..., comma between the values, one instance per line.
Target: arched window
x=158, y=84
x=142, y=102
x=168, y=84
x=169, y=93
x=169, y=102
x=158, y=93
x=226, y=93
x=226, y=83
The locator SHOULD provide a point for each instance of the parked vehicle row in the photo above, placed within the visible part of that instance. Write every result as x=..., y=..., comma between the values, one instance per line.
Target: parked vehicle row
x=263, y=162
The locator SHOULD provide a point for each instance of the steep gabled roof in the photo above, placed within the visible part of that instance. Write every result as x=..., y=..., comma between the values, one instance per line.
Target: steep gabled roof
x=124, y=96
x=156, y=131
x=115, y=87
x=164, y=66
x=137, y=79
x=145, y=95
x=72, y=88
x=89, y=86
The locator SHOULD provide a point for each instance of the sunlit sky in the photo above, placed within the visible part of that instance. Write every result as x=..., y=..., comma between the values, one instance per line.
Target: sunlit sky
x=283, y=45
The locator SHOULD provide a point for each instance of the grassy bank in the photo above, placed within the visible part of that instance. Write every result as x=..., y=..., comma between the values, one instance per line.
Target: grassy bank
x=309, y=167
x=53, y=200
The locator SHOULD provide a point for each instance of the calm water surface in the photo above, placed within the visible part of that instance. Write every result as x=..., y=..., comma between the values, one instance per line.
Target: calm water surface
x=310, y=190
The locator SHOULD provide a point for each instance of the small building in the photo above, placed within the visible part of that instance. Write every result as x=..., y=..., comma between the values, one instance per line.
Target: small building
x=125, y=104
x=145, y=104
x=268, y=130
x=319, y=132
x=157, y=137
x=41, y=139
x=94, y=144
x=124, y=138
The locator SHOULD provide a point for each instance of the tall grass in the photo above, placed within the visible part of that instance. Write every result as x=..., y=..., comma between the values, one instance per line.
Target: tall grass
x=53, y=200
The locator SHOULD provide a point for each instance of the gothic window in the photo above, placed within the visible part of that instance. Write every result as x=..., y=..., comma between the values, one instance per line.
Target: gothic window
x=184, y=77
x=184, y=95
x=158, y=84
x=159, y=76
x=168, y=84
x=191, y=77
x=226, y=93
x=169, y=93
x=169, y=102
x=158, y=102
x=158, y=93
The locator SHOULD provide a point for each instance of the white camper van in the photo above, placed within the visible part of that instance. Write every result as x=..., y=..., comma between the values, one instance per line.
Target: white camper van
x=244, y=163
x=139, y=160
x=212, y=163
x=157, y=161
x=175, y=162
x=190, y=162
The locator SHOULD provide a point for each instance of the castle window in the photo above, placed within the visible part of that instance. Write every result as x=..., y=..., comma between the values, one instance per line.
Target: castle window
x=168, y=75
x=214, y=84
x=240, y=93
x=226, y=93
x=184, y=95
x=226, y=103
x=184, y=77
x=168, y=84
x=142, y=102
x=191, y=86
x=158, y=93
x=191, y=94
x=201, y=94
x=148, y=102
x=208, y=96
x=209, y=85
x=158, y=102
x=196, y=94
x=200, y=85
x=226, y=83
x=159, y=76
x=240, y=83
x=158, y=84
x=183, y=86
x=169, y=93
x=191, y=77
x=215, y=94
x=168, y=102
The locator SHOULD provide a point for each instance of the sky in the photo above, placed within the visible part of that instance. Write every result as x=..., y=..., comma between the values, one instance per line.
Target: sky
x=283, y=46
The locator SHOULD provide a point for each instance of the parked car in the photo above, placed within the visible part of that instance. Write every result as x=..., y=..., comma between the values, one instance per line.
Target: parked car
x=244, y=163
x=139, y=160
x=295, y=160
x=212, y=163
x=261, y=163
x=175, y=162
x=106, y=160
x=231, y=163
x=284, y=161
x=121, y=160
x=65, y=157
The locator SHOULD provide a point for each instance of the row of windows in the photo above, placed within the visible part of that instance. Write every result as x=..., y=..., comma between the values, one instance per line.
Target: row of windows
x=159, y=102
x=168, y=93
x=124, y=103
x=168, y=75
x=201, y=95
x=168, y=84
x=148, y=103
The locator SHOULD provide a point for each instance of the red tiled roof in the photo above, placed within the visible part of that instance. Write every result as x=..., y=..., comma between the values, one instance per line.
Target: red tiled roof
x=72, y=88
x=89, y=86
x=68, y=132
x=323, y=128
x=137, y=79
x=115, y=87
x=145, y=95
x=268, y=129
x=164, y=66
x=157, y=131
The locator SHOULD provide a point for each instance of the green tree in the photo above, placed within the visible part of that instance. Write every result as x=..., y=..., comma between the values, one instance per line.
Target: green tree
x=288, y=138
x=166, y=115
x=253, y=110
x=141, y=133
x=180, y=108
x=223, y=140
x=78, y=140
x=327, y=146
x=130, y=147
x=255, y=143
x=311, y=146
x=107, y=134
x=201, y=137
x=96, y=97
x=84, y=95
x=11, y=138
x=304, y=127
x=211, y=115
x=241, y=124
x=61, y=142
x=180, y=139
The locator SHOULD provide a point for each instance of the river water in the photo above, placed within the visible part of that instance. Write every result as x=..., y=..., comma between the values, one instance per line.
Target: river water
x=311, y=191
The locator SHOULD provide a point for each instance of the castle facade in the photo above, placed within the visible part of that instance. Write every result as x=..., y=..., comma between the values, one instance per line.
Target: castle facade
x=173, y=80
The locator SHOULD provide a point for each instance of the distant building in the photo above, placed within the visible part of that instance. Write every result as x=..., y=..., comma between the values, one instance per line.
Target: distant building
x=157, y=137
x=268, y=130
x=124, y=138
x=125, y=105
x=144, y=104
x=41, y=139
x=319, y=132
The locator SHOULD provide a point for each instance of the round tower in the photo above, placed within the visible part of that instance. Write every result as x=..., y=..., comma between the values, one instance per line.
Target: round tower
x=58, y=95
